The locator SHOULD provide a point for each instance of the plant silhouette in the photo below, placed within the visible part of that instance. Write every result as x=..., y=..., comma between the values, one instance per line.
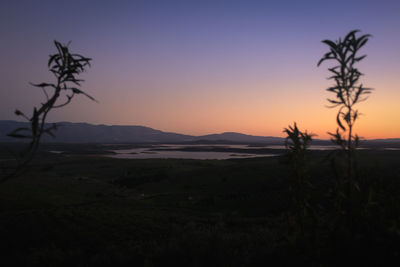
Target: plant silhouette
x=66, y=67
x=297, y=143
x=348, y=92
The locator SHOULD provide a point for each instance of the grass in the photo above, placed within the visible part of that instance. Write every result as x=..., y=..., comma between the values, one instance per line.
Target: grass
x=89, y=210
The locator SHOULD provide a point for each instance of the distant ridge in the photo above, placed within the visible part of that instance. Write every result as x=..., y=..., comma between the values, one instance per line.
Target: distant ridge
x=240, y=138
x=69, y=132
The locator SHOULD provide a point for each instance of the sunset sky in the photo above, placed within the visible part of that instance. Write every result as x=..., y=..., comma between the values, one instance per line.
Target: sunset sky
x=200, y=67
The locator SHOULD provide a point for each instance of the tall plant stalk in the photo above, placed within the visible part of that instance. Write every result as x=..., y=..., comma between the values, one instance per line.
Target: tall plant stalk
x=65, y=66
x=297, y=143
x=348, y=92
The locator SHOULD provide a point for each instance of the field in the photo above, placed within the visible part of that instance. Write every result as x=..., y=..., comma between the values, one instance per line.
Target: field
x=83, y=209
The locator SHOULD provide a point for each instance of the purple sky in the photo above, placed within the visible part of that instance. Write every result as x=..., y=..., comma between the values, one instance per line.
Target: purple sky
x=199, y=67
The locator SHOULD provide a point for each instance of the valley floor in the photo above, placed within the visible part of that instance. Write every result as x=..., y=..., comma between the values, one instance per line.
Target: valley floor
x=88, y=210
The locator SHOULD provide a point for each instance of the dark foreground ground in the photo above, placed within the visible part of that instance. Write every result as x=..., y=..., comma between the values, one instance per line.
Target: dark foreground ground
x=88, y=210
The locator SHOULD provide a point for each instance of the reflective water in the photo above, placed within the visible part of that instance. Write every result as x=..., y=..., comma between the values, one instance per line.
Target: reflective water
x=201, y=151
x=163, y=151
x=312, y=147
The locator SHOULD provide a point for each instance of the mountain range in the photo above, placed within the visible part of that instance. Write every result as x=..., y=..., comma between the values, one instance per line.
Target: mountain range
x=68, y=132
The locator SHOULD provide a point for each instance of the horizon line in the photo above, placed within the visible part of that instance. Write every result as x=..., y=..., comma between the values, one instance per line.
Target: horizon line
x=227, y=132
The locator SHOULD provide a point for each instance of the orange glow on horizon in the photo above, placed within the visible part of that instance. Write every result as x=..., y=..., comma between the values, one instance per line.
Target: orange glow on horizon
x=262, y=113
x=201, y=68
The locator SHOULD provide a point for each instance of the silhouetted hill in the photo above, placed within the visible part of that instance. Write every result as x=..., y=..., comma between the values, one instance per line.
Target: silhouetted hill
x=88, y=133
x=69, y=132
x=240, y=138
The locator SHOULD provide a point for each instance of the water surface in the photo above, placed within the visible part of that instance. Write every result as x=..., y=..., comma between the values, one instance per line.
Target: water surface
x=172, y=151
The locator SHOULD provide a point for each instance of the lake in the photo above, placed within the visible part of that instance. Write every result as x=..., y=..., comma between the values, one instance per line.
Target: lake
x=201, y=151
x=197, y=151
x=180, y=152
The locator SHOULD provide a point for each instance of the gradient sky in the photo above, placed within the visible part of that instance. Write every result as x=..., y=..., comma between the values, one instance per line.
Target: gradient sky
x=200, y=67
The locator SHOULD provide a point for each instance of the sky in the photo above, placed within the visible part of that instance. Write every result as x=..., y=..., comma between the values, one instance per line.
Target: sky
x=201, y=67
